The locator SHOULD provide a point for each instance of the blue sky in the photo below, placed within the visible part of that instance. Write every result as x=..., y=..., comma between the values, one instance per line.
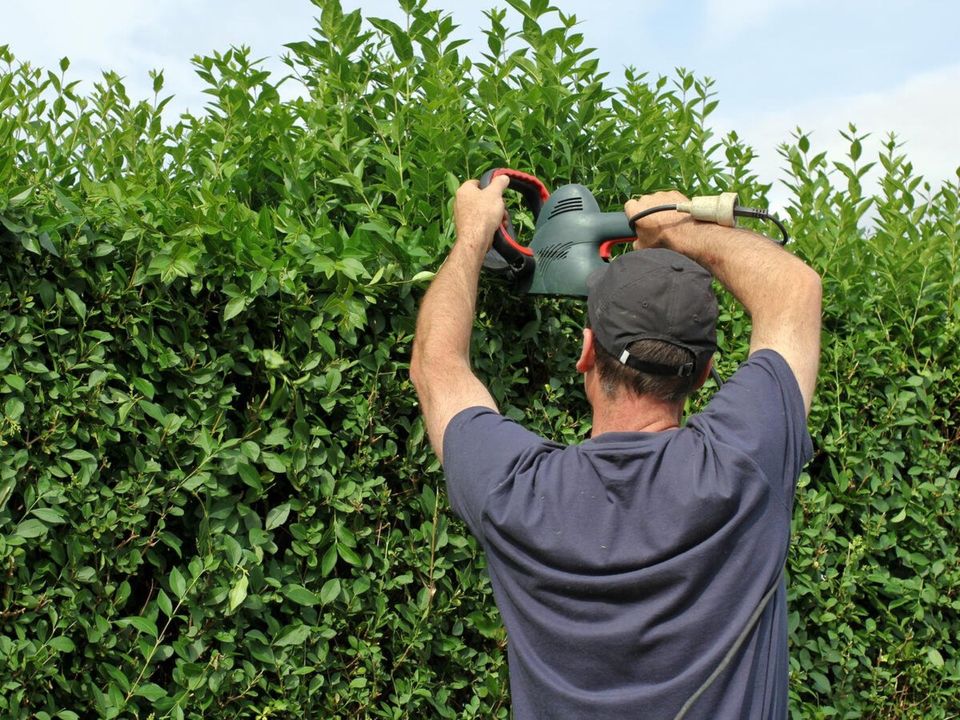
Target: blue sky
x=777, y=64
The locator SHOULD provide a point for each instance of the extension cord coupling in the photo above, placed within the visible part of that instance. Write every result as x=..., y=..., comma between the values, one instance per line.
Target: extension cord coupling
x=722, y=209
x=717, y=209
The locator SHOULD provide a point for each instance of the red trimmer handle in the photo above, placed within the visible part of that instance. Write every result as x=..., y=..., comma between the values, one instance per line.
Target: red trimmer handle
x=534, y=194
x=606, y=247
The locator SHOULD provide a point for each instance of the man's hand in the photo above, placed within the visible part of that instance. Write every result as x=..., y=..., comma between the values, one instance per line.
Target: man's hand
x=478, y=213
x=652, y=229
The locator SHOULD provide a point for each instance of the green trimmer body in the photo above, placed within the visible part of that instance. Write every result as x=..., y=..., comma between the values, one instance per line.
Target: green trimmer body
x=572, y=238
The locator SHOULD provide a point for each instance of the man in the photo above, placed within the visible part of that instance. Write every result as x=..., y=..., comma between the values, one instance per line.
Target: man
x=640, y=573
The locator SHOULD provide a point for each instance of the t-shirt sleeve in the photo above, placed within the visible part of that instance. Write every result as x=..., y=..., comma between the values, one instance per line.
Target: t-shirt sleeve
x=759, y=411
x=481, y=450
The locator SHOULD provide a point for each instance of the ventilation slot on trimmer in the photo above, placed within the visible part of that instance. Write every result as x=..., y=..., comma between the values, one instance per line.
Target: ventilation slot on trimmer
x=574, y=204
x=554, y=252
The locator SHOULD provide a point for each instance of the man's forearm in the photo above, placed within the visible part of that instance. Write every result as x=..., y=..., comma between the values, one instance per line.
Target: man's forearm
x=445, y=322
x=766, y=279
x=779, y=291
x=440, y=361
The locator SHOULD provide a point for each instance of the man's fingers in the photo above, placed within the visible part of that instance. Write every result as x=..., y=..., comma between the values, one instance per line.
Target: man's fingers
x=500, y=183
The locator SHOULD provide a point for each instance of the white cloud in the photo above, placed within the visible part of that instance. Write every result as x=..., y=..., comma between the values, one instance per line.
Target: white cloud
x=922, y=111
x=133, y=37
x=89, y=30
x=725, y=20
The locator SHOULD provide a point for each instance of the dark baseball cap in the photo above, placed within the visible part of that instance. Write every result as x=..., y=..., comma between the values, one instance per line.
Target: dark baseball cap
x=654, y=294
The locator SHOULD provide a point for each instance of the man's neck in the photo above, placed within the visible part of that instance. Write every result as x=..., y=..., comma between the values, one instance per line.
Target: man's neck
x=629, y=413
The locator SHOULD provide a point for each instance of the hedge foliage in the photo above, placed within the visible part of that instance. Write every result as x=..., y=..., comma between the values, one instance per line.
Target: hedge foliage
x=216, y=499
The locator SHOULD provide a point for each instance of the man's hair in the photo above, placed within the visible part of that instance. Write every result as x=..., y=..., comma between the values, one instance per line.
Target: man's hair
x=614, y=375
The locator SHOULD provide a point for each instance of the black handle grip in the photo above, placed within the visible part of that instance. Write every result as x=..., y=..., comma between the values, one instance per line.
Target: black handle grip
x=535, y=194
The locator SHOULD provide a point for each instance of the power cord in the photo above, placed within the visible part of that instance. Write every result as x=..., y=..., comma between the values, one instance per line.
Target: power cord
x=721, y=209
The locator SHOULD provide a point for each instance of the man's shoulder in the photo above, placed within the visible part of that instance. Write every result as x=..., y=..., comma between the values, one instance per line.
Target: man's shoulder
x=482, y=451
x=478, y=423
x=759, y=413
x=763, y=381
x=767, y=365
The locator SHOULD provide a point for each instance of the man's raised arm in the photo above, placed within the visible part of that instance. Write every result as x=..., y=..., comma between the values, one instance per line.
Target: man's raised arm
x=780, y=292
x=440, y=361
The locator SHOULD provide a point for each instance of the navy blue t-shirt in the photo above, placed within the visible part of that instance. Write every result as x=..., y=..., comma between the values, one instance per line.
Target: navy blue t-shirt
x=625, y=567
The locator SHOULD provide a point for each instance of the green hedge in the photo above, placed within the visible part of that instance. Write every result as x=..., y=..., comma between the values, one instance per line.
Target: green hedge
x=216, y=498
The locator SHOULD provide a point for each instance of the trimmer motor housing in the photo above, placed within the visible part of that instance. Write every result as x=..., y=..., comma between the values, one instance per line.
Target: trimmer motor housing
x=572, y=238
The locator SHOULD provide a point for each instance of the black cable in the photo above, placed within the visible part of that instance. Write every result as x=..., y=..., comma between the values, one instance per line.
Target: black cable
x=632, y=222
x=738, y=211
x=715, y=374
x=762, y=215
x=744, y=634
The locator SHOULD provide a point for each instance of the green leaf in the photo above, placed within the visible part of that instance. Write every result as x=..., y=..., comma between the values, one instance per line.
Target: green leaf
x=820, y=682
x=144, y=625
x=326, y=343
x=272, y=359
x=301, y=595
x=349, y=554
x=232, y=549
x=234, y=307
x=6, y=490
x=20, y=197
x=423, y=275
x=13, y=408
x=16, y=382
x=164, y=603
x=250, y=450
x=330, y=591
x=249, y=475
x=293, y=636
x=151, y=692
x=62, y=643
x=50, y=516
x=153, y=410
x=178, y=585
x=47, y=244
x=181, y=267
x=30, y=528
x=76, y=303
x=274, y=462
x=78, y=455
x=117, y=676
x=237, y=594
x=329, y=560
x=145, y=387
x=30, y=243
x=277, y=516
x=38, y=368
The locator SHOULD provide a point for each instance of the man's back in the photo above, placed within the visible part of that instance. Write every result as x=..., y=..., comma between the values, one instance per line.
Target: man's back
x=625, y=568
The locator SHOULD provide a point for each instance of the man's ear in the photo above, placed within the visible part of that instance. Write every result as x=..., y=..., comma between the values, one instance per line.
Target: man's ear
x=588, y=356
x=704, y=374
